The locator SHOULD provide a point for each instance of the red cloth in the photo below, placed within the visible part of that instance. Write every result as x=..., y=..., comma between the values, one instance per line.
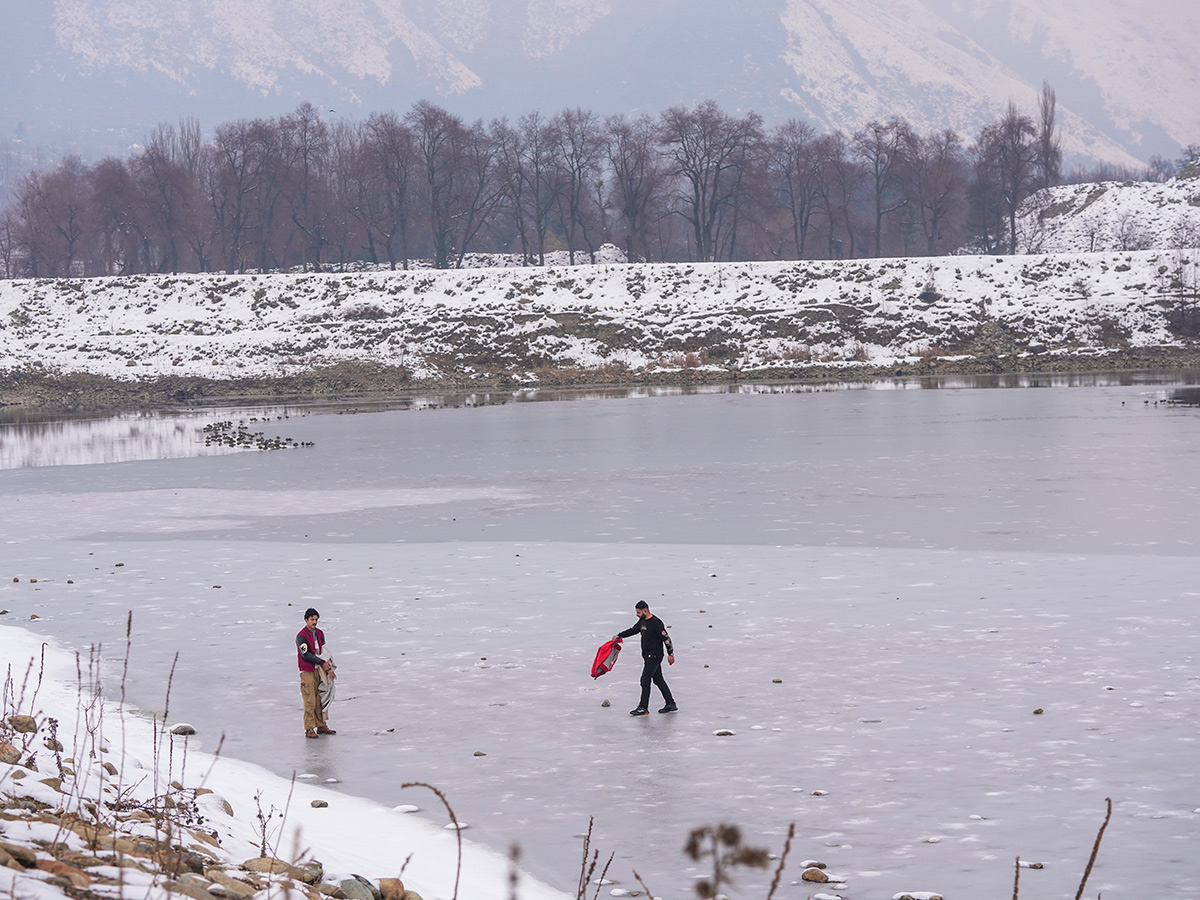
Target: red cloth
x=606, y=657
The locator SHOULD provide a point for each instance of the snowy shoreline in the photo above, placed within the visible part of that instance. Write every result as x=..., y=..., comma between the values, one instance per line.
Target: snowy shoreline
x=185, y=336
x=349, y=835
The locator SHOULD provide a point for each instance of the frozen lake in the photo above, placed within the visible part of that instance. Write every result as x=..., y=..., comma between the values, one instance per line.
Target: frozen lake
x=922, y=569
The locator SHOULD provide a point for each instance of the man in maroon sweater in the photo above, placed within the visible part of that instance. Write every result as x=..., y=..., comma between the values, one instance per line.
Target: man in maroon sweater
x=310, y=641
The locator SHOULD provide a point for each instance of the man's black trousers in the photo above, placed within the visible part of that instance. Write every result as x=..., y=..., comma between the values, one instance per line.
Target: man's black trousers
x=652, y=671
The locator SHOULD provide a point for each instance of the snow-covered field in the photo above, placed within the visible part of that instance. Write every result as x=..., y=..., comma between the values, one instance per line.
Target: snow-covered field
x=921, y=570
x=727, y=316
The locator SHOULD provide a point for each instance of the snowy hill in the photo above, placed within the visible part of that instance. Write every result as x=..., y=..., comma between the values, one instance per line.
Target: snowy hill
x=1114, y=216
x=603, y=321
x=1123, y=71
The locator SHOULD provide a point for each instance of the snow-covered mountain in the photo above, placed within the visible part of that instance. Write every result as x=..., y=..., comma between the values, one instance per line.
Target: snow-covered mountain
x=1123, y=71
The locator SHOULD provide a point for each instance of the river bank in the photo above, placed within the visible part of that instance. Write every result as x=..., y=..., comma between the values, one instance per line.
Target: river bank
x=83, y=393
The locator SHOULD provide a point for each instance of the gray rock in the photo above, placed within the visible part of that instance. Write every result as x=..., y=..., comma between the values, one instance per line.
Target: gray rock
x=358, y=888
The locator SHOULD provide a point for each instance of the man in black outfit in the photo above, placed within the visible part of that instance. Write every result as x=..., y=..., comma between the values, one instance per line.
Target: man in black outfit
x=654, y=639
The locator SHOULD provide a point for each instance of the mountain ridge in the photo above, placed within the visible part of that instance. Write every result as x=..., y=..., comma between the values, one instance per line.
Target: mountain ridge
x=114, y=64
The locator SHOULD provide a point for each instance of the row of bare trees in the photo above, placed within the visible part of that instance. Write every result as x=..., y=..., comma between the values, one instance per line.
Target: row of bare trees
x=298, y=191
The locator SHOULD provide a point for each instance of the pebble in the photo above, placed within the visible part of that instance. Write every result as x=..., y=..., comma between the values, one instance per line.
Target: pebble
x=606, y=703
x=723, y=732
x=319, y=804
x=479, y=753
x=183, y=728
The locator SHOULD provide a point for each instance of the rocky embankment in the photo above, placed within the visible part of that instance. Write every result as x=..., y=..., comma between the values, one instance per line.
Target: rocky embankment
x=79, y=828
x=160, y=340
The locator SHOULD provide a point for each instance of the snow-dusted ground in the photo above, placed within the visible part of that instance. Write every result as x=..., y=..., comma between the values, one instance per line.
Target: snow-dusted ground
x=1111, y=215
x=742, y=316
x=921, y=569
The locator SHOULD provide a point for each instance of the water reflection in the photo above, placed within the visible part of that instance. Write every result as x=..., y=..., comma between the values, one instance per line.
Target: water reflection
x=1185, y=397
x=29, y=438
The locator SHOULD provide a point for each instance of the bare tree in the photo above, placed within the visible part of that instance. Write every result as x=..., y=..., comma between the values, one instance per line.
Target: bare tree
x=1008, y=157
x=933, y=177
x=1049, y=142
x=577, y=149
x=8, y=243
x=637, y=177
x=478, y=190
x=438, y=138
x=794, y=170
x=232, y=182
x=167, y=196
x=708, y=152
x=385, y=189
x=880, y=148
x=116, y=236
x=307, y=189
x=51, y=211
x=839, y=189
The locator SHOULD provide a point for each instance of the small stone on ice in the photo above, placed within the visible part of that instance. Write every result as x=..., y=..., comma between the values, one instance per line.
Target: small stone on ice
x=723, y=732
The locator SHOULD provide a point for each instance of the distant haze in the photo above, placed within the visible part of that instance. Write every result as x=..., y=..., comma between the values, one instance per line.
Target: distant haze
x=97, y=75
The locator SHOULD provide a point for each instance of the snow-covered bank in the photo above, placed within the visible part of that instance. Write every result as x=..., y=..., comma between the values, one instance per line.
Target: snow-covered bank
x=113, y=767
x=727, y=317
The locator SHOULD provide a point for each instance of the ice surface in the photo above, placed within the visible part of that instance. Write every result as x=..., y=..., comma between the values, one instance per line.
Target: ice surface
x=920, y=569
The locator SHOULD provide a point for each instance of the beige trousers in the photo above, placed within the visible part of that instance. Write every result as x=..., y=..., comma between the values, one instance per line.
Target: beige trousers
x=314, y=716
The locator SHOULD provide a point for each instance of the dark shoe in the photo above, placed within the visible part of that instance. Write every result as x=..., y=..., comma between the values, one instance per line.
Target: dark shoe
x=640, y=711
x=324, y=730
x=310, y=733
x=670, y=707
